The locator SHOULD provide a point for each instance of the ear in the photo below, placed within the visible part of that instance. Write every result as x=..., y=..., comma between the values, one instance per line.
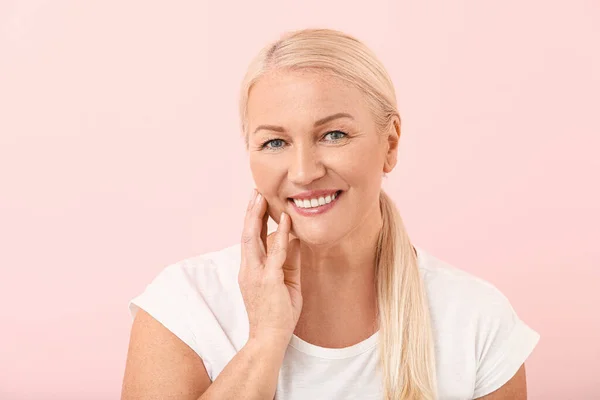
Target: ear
x=393, y=138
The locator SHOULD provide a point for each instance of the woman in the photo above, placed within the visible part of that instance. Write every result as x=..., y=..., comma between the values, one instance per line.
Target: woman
x=337, y=303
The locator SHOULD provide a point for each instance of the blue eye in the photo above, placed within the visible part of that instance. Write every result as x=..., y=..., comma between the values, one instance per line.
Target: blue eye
x=277, y=144
x=266, y=144
x=339, y=135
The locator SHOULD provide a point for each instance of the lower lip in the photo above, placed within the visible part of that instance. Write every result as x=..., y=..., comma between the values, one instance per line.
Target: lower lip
x=309, y=212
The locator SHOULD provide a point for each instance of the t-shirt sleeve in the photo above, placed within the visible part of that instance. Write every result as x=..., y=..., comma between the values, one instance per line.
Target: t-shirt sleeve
x=503, y=343
x=168, y=299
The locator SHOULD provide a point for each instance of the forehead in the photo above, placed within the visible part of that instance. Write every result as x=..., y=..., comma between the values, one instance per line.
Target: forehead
x=279, y=96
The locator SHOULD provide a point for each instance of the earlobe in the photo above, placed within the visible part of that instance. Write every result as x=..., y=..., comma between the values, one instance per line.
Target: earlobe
x=389, y=164
x=393, y=140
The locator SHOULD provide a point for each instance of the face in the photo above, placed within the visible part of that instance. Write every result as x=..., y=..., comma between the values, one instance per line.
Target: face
x=316, y=154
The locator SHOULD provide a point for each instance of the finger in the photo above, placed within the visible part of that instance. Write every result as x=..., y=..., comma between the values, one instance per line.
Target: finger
x=253, y=251
x=292, y=265
x=277, y=251
x=264, y=226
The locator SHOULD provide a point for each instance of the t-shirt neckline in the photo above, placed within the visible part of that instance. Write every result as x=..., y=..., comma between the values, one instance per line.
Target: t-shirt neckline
x=334, y=353
x=344, y=352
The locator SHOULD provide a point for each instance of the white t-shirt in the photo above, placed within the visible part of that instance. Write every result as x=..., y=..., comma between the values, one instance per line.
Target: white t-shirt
x=480, y=342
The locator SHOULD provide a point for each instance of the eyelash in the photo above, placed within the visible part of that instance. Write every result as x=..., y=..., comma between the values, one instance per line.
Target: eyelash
x=264, y=145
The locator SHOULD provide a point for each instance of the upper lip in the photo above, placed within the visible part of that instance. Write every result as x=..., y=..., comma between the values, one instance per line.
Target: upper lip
x=312, y=194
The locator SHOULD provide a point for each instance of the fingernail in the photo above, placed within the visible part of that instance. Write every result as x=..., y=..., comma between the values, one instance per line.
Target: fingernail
x=252, y=195
x=257, y=198
x=282, y=217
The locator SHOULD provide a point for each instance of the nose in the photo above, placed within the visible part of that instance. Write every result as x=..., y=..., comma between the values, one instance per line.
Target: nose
x=306, y=166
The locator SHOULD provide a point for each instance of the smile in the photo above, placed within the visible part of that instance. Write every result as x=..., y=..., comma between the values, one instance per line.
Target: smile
x=315, y=206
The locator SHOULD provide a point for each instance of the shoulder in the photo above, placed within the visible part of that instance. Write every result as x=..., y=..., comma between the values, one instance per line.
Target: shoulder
x=215, y=270
x=186, y=281
x=474, y=322
x=198, y=299
x=455, y=289
x=465, y=305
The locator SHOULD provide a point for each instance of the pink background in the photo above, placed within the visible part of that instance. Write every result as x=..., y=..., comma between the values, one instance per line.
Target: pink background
x=120, y=153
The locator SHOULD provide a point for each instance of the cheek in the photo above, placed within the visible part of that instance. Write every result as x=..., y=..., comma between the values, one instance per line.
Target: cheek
x=370, y=157
x=266, y=174
x=359, y=164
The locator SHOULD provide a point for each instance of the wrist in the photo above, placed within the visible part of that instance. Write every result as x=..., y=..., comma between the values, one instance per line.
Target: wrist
x=275, y=344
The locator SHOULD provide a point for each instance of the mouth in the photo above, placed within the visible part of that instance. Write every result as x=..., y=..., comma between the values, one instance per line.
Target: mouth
x=315, y=206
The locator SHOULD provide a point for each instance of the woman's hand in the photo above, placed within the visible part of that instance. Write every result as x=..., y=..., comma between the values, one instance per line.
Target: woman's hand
x=269, y=278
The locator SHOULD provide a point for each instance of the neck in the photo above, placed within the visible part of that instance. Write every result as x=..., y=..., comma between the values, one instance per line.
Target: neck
x=338, y=287
x=352, y=256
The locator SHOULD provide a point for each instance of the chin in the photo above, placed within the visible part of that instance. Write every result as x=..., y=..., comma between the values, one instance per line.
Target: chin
x=318, y=236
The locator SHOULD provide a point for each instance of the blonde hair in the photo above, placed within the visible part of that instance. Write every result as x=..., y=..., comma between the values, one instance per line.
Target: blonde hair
x=405, y=337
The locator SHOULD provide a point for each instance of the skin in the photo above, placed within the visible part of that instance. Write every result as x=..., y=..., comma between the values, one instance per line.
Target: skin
x=338, y=247
x=514, y=389
x=288, y=155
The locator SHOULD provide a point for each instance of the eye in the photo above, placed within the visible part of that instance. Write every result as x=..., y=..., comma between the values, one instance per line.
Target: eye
x=336, y=135
x=275, y=144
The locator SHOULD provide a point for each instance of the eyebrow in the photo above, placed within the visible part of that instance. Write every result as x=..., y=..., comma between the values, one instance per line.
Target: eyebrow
x=318, y=123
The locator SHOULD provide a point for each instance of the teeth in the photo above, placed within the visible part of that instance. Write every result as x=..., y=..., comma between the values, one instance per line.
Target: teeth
x=316, y=202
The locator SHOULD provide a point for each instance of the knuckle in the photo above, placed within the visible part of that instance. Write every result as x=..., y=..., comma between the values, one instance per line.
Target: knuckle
x=276, y=248
x=273, y=276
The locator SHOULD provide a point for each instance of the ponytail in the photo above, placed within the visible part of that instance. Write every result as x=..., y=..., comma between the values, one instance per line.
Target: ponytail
x=406, y=344
x=405, y=337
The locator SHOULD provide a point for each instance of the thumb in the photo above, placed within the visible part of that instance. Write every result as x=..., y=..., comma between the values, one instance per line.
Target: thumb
x=291, y=267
